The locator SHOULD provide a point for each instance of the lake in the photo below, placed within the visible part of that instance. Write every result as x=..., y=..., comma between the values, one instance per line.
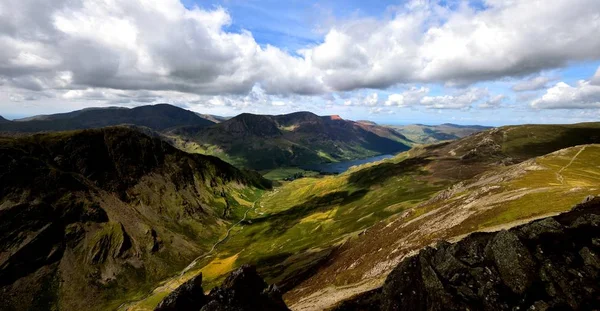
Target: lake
x=340, y=167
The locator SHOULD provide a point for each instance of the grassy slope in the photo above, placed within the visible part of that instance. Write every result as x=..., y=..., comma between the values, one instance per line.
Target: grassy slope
x=429, y=134
x=501, y=198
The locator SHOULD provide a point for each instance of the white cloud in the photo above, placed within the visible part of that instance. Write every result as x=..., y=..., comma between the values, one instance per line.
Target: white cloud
x=532, y=84
x=461, y=100
x=596, y=78
x=407, y=98
x=583, y=95
x=116, y=50
x=494, y=102
x=426, y=42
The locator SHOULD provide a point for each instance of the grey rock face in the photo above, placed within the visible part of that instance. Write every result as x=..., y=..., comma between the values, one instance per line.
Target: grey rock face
x=549, y=264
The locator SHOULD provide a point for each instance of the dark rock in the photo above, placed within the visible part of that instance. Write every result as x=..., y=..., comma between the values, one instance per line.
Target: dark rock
x=550, y=264
x=537, y=229
x=189, y=296
x=242, y=290
x=513, y=261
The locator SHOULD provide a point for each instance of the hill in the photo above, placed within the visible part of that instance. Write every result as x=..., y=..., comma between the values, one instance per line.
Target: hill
x=549, y=264
x=371, y=217
x=106, y=213
x=429, y=134
x=3, y=120
x=265, y=141
x=157, y=117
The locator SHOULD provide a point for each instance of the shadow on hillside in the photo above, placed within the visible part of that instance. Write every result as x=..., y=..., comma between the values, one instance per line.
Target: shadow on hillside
x=282, y=221
x=378, y=174
x=564, y=138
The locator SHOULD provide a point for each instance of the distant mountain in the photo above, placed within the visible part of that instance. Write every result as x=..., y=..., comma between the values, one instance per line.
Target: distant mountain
x=158, y=117
x=103, y=213
x=266, y=141
x=428, y=134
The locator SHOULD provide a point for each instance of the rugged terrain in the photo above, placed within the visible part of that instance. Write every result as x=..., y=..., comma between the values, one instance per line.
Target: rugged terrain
x=265, y=142
x=430, y=134
x=125, y=219
x=371, y=217
x=242, y=290
x=549, y=264
x=92, y=218
x=157, y=117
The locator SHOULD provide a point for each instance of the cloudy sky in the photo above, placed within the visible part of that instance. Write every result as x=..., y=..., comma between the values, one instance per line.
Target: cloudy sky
x=471, y=62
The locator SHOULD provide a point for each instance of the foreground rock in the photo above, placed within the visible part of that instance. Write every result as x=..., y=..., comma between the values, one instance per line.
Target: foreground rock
x=242, y=290
x=550, y=264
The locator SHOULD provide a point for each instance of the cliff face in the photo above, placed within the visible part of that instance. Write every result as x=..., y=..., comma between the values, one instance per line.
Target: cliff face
x=550, y=264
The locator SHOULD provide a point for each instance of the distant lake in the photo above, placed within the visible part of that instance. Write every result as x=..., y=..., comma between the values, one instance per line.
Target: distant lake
x=340, y=167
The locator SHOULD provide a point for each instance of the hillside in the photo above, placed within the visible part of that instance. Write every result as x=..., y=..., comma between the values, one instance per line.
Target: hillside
x=106, y=213
x=265, y=142
x=429, y=134
x=3, y=120
x=157, y=117
x=371, y=217
x=549, y=264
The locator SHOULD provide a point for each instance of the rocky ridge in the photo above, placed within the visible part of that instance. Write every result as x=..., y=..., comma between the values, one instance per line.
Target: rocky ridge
x=549, y=264
x=242, y=290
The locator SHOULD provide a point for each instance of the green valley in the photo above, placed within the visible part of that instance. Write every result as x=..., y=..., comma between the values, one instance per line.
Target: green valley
x=372, y=216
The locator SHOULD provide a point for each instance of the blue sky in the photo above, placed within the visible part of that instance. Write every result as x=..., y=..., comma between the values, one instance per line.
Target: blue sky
x=415, y=61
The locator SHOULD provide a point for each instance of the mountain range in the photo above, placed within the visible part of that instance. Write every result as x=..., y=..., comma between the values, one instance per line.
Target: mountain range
x=124, y=216
x=157, y=117
x=266, y=142
x=253, y=141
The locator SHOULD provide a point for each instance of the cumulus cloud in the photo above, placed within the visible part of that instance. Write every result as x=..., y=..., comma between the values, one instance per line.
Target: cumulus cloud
x=109, y=50
x=583, y=95
x=458, y=99
x=494, y=102
x=461, y=100
x=407, y=98
x=138, y=44
x=532, y=84
x=427, y=42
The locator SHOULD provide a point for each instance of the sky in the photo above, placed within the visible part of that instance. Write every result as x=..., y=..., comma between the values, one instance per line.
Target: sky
x=491, y=62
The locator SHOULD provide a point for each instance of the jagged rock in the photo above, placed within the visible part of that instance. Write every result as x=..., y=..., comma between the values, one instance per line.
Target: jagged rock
x=513, y=261
x=242, y=290
x=188, y=296
x=549, y=264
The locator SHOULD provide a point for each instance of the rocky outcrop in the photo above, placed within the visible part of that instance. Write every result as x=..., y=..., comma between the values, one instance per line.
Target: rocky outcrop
x=242, y=290
x=550, y=264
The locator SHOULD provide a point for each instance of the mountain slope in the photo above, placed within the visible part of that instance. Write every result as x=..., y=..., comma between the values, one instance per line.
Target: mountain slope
x=264, y=142
x=429, y=134
x=370, y=217
x=3, y=120
x=550, y=264
x=105, y=213
x=158, y=117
